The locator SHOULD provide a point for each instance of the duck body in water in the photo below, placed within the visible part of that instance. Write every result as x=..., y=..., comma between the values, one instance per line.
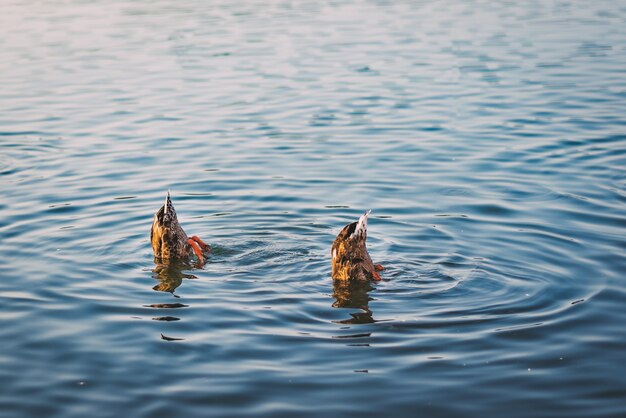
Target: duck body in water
x=350, y=259
x=169, y=240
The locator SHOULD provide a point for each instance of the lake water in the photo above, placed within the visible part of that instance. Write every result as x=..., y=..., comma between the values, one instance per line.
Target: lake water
x=488, y=138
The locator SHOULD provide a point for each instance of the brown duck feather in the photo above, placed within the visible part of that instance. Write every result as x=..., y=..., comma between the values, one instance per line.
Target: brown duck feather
x=169, y=240
x=350, y=259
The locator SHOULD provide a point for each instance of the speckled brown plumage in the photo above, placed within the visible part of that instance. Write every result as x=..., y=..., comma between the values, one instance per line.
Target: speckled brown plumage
x=169, y=240
x=350, y=259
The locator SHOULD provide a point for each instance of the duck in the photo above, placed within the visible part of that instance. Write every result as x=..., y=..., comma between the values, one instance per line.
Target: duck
x=169, y=240
x=350, y=259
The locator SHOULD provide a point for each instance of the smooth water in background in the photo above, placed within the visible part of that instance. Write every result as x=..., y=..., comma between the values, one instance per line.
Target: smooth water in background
x=487, y=137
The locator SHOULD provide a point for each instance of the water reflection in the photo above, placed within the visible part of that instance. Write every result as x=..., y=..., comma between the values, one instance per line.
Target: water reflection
x=170, y=276
x=353, y=294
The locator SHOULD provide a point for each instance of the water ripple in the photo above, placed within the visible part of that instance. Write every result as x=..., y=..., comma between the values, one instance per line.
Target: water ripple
x=486, y=138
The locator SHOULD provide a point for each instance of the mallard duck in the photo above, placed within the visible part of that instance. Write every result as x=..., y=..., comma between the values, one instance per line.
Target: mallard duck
x=350, y=259
x=169, y=241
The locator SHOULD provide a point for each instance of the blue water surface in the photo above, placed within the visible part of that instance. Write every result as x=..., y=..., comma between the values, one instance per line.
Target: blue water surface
x=487, y=137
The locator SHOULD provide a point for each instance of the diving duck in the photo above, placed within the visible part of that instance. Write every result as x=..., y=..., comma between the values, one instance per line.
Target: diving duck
x=350, y=259
x=169, y=241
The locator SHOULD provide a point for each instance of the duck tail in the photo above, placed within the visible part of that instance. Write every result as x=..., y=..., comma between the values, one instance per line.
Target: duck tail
x=361, y=226
x=168, y=202
x=169, y=213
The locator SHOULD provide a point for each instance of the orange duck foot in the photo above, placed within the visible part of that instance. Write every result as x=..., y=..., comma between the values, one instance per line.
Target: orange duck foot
x=378, y=267
x=376, y=276
x=196, y=249
x=205, y=247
